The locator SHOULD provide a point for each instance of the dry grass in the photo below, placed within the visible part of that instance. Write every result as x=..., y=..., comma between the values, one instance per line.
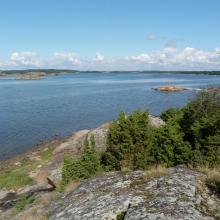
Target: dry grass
x=213, y=174
x=33, y=214
x=46, y=199
x=71, y=186
x=156, y=171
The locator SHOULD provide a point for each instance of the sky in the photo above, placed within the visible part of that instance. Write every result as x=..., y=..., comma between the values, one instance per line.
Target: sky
x=110, y=34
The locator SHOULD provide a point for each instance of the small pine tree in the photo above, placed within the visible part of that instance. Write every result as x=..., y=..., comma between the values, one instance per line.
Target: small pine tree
x=82, y=167
x=128, y=141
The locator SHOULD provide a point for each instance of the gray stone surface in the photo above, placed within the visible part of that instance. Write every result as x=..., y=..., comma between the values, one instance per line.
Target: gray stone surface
x=174, y=196
x=156, y=121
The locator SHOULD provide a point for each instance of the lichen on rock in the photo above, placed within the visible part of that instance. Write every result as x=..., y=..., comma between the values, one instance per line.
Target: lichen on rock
x=173, y=196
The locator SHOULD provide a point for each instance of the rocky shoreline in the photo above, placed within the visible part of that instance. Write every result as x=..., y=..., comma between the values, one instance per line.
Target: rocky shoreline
x=174, y=193
x=59, y=141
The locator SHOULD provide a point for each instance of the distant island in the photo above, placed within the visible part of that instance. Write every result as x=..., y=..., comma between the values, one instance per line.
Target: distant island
x=35, y=74
x=30, y=76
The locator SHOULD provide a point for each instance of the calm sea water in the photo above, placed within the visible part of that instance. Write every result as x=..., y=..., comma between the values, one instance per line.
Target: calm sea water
x=33, y=111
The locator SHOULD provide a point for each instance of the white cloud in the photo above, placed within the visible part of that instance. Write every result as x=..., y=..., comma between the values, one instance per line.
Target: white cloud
x=23, y=58
x=152, y=37
x=217, y=50
x=141, y=58
x=99, y=57
x=67, y=57
x=169, y=58
x=187, y=58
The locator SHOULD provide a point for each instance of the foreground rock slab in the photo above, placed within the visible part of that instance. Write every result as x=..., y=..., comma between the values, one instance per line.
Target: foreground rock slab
x=134, y=195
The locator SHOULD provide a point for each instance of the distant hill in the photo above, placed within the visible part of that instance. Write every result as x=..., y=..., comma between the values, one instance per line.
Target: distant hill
x=187, y=72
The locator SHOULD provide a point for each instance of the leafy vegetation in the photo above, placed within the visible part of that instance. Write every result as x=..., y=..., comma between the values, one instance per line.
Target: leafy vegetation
x=129, y=141
x=82, y=167
x=201, y=127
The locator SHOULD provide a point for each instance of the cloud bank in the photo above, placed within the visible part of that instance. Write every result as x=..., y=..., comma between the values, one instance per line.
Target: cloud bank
x=168, y=58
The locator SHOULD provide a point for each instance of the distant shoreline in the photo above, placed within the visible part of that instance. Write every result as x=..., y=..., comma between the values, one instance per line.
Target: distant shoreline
x=57, y=72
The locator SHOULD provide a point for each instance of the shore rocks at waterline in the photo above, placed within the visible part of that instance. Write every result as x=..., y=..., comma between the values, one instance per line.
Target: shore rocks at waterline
x=170, y=88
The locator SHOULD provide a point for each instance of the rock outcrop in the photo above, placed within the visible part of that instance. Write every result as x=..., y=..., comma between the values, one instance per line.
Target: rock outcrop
x=8, y=199
x=156, y=121
x=180, y=194
x=170, y=88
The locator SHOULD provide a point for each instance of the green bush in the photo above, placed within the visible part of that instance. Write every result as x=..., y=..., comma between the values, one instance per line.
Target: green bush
x=200, y=125
x=82, y=167
x=169, y=147
x=129, y=140
x=190, y=135
x=171, y=113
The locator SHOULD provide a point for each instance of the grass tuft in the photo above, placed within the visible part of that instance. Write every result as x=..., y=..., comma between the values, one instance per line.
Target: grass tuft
x=213, y=177
x=13, y=179
x=33, y=214
x=23, y=201
x=46, y=154
x=70, y=187
x=156, y=171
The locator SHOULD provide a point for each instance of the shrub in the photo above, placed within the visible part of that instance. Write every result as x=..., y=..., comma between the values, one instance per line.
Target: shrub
x=169, y=147
x=170, y=114
x=82, y=167
x=128, y=141
x=191, y=135
x=200, y=125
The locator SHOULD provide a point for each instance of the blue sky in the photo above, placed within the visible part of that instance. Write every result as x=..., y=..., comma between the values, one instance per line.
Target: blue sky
x=110, y=34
